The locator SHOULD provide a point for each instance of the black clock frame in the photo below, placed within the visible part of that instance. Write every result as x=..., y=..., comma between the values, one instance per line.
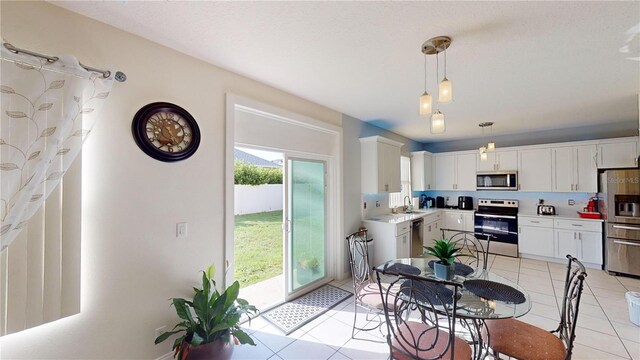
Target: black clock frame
x=139, y=130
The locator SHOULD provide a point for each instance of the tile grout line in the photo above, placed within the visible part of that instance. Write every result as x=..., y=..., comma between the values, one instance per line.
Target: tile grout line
x=609, y=320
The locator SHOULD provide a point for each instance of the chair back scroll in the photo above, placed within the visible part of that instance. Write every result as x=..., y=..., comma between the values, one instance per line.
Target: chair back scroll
x=476, y=254
x=574, y=284
x=420, y=318
x=359, y=259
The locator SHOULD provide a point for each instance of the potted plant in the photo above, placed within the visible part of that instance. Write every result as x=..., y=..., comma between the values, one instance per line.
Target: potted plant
x=209, y=322
x=446, y=252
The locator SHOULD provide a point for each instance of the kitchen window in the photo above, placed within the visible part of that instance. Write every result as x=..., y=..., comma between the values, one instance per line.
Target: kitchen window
x=397, y=199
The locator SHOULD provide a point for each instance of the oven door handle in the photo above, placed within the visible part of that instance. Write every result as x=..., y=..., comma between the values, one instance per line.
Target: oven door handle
x=623, y=227
x=498, y=216
x=625, y=243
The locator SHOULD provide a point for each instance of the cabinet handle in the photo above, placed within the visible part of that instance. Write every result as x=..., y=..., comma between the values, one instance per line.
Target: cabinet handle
x=580, y=236
x=574, y=236
x=535, y=221
x=576, y=187
x=571, y=187
x=625, y=243
x=579, y=225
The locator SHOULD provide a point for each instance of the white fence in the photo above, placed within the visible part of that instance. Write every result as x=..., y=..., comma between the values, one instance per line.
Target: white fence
x=251, y=199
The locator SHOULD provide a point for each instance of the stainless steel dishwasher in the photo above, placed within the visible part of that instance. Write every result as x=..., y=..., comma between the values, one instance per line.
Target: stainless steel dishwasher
x=416, y=237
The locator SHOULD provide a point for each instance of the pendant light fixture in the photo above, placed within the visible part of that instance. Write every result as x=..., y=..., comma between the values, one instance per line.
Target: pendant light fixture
x=426, y=100
x=445, y=91
x=434, y=46
x=490, y=146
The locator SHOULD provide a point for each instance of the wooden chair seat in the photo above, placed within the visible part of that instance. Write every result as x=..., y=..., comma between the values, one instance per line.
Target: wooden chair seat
x=523, y=341
x=428, y=336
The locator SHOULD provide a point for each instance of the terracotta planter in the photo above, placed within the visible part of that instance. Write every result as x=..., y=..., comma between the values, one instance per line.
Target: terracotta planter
x=216, y=350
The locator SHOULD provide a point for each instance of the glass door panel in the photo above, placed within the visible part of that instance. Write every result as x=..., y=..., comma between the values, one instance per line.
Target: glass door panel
x=306, y=220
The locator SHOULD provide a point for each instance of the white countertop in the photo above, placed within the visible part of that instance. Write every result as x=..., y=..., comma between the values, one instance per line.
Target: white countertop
x=400, y=218
x=561, y=216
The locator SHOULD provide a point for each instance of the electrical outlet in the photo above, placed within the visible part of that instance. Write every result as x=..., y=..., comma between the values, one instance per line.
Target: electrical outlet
x=365, y=204
x=571, y=202
x=377, y=203
x=161, y=330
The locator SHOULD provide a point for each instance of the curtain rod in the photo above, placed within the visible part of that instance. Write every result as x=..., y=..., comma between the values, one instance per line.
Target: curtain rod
x=120, y=76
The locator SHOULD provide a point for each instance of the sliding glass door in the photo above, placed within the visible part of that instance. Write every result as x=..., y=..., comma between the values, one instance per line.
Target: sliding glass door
x=305, y=223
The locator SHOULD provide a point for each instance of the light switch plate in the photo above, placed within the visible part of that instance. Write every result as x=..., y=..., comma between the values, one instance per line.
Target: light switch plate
x=571, y=202
x=181, y=230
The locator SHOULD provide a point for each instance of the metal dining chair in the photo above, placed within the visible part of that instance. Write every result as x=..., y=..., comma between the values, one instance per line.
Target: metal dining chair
x=470, y=244
x=366, y=291
x=527, y=342
x=421, y=319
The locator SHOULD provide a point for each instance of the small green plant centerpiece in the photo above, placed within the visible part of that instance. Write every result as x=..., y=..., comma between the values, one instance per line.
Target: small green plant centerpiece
x=209, y=322
x=446, y=252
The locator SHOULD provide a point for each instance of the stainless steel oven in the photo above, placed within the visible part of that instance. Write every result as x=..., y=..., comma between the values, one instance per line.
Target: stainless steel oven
x=498, y=218
x=620, y=205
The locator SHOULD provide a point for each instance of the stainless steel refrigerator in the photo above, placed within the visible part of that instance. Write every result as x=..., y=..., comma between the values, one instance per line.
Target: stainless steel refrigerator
x=620, y=205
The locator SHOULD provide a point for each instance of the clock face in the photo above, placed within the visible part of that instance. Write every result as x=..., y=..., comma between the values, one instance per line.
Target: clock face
x=166, y=132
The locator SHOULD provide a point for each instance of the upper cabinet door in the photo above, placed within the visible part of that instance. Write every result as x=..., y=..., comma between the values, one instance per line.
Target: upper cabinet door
x=534, y=170
x=379, y=165
x=465, y=172
x=391, y=167
x=563, y=169
x=618, y=155
x=586, y=175
x=421, y=178
x=507, y=160
x=445, y=172
x=487, y=165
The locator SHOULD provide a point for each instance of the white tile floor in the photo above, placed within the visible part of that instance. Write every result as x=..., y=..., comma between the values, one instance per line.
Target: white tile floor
x=604, y=330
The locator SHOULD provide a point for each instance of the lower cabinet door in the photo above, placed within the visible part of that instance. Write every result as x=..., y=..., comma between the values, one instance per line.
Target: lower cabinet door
x=403, y=243
x=536, y=241
x=566, y=242
x=590, y=247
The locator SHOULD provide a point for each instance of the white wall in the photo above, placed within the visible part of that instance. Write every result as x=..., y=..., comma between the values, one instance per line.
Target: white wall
x=131, y=261
x=250, y=199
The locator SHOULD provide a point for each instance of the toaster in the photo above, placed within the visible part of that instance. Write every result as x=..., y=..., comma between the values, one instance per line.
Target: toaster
x=546, y=209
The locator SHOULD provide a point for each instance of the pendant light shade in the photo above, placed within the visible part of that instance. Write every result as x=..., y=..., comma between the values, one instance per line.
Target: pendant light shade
x=426, y=102
x=445, y=94
x=483, y=153
x=437, y=123
x=491, y=146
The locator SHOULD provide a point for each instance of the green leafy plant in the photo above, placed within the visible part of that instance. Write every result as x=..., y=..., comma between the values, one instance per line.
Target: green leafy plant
x=210, y=316
x=248, y=174
x=445, y=250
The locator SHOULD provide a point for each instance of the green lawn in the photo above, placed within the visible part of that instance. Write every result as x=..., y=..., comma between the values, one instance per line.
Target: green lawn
x=258, y=247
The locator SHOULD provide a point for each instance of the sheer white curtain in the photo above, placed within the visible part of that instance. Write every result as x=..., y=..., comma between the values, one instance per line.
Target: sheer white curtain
x=48, y=110
x=397, y=199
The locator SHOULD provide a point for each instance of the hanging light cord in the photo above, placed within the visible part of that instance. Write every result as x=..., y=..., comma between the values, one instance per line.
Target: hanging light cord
x=437, y=74
x=445, y=61
x=425, y=72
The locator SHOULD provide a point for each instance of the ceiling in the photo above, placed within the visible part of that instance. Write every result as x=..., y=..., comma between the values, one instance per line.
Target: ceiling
x=527, y=66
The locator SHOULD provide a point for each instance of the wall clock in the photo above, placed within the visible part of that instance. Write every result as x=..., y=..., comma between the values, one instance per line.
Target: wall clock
x=165, y=131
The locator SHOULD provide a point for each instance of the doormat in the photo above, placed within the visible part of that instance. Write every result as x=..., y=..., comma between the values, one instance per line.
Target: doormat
x=291, y=315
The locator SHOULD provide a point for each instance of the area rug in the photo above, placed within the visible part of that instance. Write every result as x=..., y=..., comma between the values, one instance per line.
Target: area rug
x=291, y=315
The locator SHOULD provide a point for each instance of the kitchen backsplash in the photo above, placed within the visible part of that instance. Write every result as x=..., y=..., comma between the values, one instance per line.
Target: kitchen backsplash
x=527, y=200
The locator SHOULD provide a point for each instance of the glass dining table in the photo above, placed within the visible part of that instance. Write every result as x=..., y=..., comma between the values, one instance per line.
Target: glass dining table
x=484, y=295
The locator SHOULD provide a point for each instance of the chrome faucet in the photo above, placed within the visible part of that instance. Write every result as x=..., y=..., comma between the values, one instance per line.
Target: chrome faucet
x=404, y=203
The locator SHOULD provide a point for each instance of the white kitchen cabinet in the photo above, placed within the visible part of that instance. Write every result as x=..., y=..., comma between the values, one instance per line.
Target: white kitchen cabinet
x=432, y=232
x=403, y=245
x=574, y=169
x=445, y=172
x=580, y=238
x=534, y=170
x=421, y=171
x=456, y=172
x=380, y=165
x=536, y=241
x=499, y=161
x=465, y=172
x=390, y=240
x=618, y=154
x=454, y=220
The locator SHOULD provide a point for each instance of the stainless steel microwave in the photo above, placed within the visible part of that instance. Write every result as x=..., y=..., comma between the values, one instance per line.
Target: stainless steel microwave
x=497, y=180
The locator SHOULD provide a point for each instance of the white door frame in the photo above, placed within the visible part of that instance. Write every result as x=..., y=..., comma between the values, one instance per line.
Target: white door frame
x=335, y=250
